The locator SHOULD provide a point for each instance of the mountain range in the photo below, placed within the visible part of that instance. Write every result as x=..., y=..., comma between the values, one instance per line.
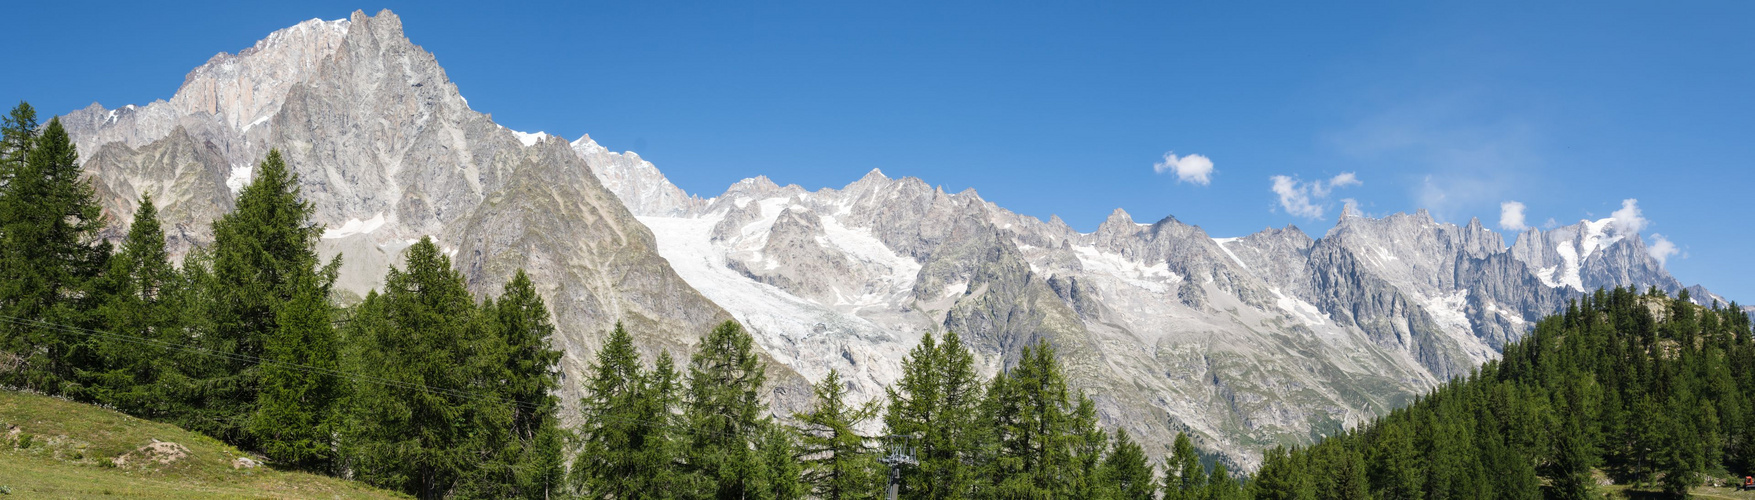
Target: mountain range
x=1243, y=342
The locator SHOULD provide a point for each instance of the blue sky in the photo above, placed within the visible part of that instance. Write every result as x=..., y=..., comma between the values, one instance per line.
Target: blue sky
x=1065, y=108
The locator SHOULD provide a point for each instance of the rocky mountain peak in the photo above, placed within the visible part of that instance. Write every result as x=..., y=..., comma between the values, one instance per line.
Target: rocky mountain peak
x=387, y=151
x=1119, y=220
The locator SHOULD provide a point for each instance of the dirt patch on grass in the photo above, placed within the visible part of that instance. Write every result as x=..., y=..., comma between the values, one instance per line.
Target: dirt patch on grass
x=159, y=452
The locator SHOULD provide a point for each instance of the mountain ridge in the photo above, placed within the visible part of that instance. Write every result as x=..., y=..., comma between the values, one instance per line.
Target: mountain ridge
x=1414, y=298
x=1245, y=342
x=387, y=151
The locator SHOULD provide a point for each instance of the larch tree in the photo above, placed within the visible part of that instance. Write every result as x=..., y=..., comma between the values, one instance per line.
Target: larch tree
x=1126, y=470
x=839, y=463
x=50, y=255
x=138, y=299
x=531, y=373
x=418, y=419
x=722, y=415
x=937, y=404
x=1184, y=477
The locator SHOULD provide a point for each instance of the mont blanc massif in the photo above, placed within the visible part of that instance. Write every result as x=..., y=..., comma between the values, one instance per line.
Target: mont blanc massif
x=1242, y=342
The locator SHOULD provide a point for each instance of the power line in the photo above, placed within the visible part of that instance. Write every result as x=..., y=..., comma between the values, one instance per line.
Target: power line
x=354, y=376
x=261, y=361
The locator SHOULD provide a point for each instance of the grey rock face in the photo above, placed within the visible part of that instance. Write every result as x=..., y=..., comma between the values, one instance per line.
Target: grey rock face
x=196, y=189
x=1243, y=342
x=387, y=152
x=635, y=181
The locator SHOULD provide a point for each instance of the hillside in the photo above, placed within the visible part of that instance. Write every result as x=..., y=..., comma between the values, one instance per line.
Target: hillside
x=58, y=449
x=1623, y=391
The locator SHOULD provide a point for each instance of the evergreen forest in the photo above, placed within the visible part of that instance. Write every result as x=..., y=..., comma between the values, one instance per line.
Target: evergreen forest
x=425, y=388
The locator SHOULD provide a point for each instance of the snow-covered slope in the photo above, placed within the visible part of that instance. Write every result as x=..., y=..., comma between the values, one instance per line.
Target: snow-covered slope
x=387, y=152
x=1246, y=342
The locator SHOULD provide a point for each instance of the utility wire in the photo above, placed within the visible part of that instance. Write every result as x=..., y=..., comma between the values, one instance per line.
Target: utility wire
x=358, y=377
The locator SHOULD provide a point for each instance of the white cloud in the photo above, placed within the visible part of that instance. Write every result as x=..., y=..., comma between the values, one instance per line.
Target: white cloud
x=1511, y=216
x=1628, y=220
x=1194, y=169
x=1661, y=248
x=1551, y=224
x=1294, y=198
x=1350, y=208
x=1304, y=199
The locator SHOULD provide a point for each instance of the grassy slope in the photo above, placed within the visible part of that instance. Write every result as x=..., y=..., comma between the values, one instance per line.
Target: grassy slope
x=71, y=447
x=1623, y=491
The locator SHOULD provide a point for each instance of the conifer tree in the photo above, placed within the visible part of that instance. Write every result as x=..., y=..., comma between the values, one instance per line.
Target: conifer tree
x=270, y=302
x=618, y=425
x=1088, y=443
x=531, y=373
x=779, y=473
x=18, y=130
x=1220, y=486
x=1346, y=477
x=50, y=255
x=1184, y=477
x=136, y=304
x=1040, y=428
x=1282, y=477
x=838, y=461
x=298, y=409
x=1575, y=451
x=1126, y=470
x=1396, y=472
x=937, y=403
x=663, y=450
x=723, y=415
x=416, y=419
x=1603, y=387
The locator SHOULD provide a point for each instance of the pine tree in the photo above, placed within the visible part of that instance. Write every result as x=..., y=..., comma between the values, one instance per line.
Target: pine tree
x=531, y=372
x=415, y=416
x=270, y=303
x=936, y=404
x=1396, y=471
x=1282, y=476
x=1037, y=437
x=18, y=130
x=838, y=461
x=779, y=474
x=1126, y=470
x=50, y=256
x=1220, y=486
x=618, y=423
x=1184, y=477
x=723, y=414
x=136, y=304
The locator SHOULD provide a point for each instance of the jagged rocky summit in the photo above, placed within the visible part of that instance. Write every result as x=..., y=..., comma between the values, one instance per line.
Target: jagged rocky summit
x=1245, y=342
x=1270, y=338
x=388, y=152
